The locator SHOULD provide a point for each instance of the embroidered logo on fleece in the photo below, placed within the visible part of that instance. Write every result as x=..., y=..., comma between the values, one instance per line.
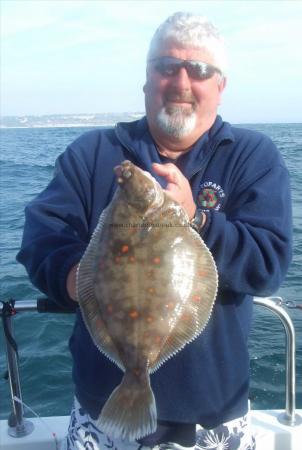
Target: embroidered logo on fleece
x=210, y=196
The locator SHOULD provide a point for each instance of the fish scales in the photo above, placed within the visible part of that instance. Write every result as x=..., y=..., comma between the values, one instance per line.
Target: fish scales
x=146, y=286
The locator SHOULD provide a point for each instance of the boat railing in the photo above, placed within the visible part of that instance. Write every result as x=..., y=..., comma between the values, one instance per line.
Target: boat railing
x=18, y=426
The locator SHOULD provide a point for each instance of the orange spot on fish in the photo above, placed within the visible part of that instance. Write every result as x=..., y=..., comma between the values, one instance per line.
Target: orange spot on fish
x=156, y=260
x=185, y=317
x=131, y=259
x=202, y=273
x=157, y=339
x=151, y=290
x=125, y=248
x=109, y=309
x=170, y=305
x=149, y=319
x=133, y=314
x=196, y=298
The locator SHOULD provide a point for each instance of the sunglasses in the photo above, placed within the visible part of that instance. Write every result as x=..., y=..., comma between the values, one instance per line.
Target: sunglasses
x=168, y=66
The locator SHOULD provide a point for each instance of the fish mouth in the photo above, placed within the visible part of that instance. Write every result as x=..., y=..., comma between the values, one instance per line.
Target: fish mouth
x=123, y=171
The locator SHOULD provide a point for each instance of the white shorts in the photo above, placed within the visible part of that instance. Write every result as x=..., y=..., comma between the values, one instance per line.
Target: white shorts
x=83, y=434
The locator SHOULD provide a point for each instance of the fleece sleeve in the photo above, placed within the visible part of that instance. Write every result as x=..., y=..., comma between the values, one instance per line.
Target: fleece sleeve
x=251, y=240
x=56, y=230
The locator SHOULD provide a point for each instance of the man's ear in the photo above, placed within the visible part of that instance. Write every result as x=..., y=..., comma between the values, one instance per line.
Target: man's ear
x=222, y=84
x=221, y=87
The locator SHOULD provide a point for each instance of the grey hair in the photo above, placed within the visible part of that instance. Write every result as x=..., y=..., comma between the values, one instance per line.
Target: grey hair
x=190, y=30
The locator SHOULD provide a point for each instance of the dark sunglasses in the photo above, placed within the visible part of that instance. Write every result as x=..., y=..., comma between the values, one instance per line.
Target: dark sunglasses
x=168, y=66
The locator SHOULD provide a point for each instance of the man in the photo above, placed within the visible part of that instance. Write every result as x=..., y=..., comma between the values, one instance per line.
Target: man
x=234, y=186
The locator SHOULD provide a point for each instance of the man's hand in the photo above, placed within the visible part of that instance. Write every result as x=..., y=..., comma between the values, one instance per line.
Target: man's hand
x=178, y=187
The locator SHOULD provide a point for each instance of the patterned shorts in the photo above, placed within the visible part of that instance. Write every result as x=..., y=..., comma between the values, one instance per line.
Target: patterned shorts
x=83, y=434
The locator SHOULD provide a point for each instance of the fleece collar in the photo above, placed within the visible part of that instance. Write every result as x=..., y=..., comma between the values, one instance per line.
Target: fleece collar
x=136, y=137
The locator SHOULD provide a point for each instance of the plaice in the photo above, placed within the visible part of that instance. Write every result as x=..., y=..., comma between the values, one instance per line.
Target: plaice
x=146, y=286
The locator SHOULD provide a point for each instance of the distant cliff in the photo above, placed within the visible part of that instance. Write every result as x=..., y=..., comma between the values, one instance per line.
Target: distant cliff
x=68, y=120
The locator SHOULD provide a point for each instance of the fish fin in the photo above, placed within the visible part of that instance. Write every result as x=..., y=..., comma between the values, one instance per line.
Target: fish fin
x=197, y=310
x=87, y=300
x=130, y=411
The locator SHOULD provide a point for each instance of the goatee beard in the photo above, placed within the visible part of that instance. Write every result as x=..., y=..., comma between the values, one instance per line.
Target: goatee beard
x=176, y=121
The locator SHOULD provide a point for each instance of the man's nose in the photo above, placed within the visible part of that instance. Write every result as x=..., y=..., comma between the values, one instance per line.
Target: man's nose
x=181, y=79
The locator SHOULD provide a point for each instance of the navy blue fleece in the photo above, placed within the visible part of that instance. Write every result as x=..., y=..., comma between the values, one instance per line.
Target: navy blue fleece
x=249, y=236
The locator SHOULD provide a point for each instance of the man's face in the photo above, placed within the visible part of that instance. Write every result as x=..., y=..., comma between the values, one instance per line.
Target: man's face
x=178, y=106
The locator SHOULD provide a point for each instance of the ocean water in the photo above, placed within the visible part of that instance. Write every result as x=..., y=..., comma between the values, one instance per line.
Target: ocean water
x=27, y=162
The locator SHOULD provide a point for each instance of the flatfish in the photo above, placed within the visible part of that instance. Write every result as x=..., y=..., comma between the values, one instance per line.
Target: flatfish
x=146, y=286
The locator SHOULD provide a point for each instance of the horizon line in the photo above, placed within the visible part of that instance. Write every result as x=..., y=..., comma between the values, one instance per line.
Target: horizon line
x=87, y=124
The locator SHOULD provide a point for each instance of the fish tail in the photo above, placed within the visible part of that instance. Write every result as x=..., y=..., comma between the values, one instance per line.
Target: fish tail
x=130, y=411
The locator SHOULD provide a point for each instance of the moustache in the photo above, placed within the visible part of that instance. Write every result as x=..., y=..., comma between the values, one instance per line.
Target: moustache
x=185, y=97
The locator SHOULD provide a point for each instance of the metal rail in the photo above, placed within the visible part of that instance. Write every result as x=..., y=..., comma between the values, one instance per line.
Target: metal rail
x=19, y=426
x=289, y=416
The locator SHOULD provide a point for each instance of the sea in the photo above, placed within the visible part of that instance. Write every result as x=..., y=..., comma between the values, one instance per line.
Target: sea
x=29, y=149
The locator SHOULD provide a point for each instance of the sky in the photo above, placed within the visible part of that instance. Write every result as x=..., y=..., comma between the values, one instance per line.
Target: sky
x=76, y=57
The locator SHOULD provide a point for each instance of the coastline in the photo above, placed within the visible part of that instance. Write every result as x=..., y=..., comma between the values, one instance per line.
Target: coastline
x=89, y=120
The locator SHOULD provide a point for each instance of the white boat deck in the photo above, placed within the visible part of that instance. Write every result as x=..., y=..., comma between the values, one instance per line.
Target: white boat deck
x=270, y=434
